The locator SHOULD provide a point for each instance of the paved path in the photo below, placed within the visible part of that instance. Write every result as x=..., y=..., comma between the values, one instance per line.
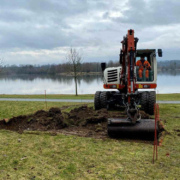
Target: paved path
x=72, y=100
x=48, y=100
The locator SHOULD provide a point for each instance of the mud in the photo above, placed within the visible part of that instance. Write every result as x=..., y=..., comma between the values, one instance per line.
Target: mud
x=81, y=121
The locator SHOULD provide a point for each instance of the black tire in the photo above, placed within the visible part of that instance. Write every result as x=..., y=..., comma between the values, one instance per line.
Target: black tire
x=144, y=101
x=151, y=102
x=111, y=134
x=97, y=101
x=104, y=98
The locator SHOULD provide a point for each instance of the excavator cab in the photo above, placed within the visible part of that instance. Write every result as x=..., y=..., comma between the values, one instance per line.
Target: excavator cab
x=149, y=75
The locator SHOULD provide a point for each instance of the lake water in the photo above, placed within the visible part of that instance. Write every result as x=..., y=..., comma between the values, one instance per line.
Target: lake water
x=168, y=82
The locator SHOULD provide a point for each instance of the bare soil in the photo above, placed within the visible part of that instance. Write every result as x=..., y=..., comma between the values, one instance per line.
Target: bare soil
x=81, y=121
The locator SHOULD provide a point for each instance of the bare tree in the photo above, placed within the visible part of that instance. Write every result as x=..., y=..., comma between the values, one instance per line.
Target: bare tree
x=74, y=61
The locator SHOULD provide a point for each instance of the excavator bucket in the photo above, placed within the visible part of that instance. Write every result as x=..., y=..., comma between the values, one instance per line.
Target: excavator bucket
x=143, y=129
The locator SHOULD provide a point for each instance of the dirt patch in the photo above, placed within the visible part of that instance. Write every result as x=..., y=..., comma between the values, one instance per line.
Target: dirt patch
x=82, y=121
x=40, y=120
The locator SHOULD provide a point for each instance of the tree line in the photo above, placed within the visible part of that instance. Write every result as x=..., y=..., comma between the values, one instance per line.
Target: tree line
x=169, y=65
x=85, y=67
x=53, y=68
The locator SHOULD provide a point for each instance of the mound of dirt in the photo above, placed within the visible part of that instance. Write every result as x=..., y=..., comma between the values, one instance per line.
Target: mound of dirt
x=83, y=121
x=84, y=115
x=40, y=120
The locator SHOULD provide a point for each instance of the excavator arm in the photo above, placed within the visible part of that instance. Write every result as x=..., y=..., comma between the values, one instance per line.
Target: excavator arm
x=127, y=59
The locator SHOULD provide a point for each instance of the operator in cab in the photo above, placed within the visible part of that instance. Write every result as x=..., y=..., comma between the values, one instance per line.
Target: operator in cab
x=143, y=64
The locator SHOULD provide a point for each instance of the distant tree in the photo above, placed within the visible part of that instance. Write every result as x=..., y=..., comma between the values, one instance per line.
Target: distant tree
x=1, y=64
x=74, y=61
x=52, y=69
x=110, y=63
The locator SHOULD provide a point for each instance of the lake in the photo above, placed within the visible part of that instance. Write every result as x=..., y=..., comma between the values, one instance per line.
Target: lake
x=168, y=82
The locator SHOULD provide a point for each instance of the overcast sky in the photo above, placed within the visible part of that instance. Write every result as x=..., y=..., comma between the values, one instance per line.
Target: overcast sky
x=42, y=31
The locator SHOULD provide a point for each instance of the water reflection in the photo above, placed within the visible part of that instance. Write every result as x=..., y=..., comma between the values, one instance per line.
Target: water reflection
x=36, y=84
x=168, y=82
x=61, y=79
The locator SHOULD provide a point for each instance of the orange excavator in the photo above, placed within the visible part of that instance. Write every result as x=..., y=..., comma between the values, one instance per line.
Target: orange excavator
x=135, y=87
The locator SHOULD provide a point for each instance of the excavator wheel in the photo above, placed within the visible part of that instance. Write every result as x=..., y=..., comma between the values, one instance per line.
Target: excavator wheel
x=104, y=99
x=151, y=102
x=97, y=100
x=144, y=101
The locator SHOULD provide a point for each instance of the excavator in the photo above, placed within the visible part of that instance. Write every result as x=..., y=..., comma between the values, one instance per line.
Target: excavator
x=135, y=89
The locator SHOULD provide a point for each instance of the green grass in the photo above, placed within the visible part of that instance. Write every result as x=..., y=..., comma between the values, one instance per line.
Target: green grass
x=50, y=96
x=162, y=97
x=31, y=156
x=9, y=109
x=168, y=97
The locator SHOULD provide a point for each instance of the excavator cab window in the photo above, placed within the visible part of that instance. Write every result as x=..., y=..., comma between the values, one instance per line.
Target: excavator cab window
x=145, y=69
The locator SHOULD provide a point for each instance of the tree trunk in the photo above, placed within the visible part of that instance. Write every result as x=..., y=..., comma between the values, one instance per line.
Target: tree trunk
x=75, y=79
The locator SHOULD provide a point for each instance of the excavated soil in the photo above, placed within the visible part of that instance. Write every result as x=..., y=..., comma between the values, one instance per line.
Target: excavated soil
x=81, y=121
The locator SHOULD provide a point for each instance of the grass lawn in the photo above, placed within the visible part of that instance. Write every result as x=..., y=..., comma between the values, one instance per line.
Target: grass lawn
x=9, y=109
x=50, y=96
x=162, y=97
x=168, y=97
x=31, y=156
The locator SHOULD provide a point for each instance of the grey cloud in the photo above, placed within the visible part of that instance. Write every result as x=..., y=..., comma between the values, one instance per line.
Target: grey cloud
x=56, y=7
x=19, y=23
x=35, y=25
x=35, y=38
x=141, y=12
x=105, y=15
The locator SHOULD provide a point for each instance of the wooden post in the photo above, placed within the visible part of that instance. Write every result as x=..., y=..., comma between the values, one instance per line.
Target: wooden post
x=45, y=99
